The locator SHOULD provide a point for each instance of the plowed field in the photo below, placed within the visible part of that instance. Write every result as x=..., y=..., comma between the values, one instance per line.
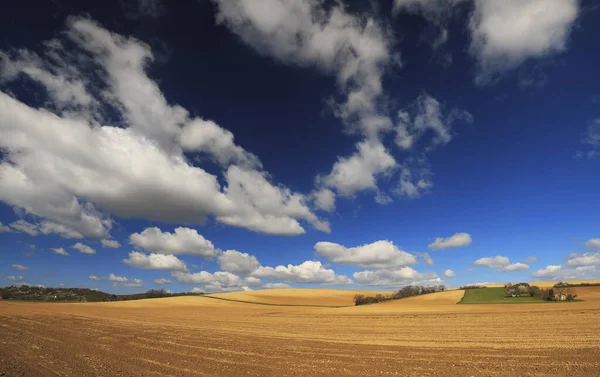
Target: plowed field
x=195, y=336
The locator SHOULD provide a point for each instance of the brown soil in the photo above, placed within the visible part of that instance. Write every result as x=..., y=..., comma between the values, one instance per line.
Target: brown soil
x=196, y=336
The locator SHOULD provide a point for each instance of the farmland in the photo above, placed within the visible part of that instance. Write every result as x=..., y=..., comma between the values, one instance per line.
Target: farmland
x=427, y=335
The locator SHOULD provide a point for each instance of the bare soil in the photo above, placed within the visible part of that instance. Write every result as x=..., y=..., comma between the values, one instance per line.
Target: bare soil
x=195, y=336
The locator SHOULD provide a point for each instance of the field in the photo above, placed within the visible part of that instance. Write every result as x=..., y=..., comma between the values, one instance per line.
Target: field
x=197, y=336
x=496, y=296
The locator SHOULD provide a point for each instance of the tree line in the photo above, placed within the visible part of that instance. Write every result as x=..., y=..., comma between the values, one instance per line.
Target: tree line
x=32, y=293
x=408, y=291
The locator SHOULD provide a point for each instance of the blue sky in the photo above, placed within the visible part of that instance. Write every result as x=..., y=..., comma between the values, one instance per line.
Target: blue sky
x=231, y=145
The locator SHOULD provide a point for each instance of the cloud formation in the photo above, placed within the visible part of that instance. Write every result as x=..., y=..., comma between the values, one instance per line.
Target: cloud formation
x=181, y=241
x=60, y=251
x=396, y=278
x=67, y=164
x=584, y=259
x=557, y=272
x=505, y=33
x=160, y=262
x=379, y=254
x=307, y=272
x=455, y=240
x=85, y=249
x=501, y=264
x=238, y=263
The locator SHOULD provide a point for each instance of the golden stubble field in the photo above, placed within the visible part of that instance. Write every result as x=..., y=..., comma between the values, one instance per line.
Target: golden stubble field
x=197, y=336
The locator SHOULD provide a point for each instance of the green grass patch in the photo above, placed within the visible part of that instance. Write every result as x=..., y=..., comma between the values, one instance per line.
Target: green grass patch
x=497, y=296
x=271, y=304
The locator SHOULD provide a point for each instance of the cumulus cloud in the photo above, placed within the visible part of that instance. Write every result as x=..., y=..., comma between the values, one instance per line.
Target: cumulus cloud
x=307, y=272
x=554, y=272
x=220, y=281
x=181, y=241
x=455, y=240
x=379, y=254
x=324, y=199
x=66, y=164
x=60, y=251
x=396, y=278
x=15, y=278
x=359, y=172
x=162, y=281
x=115, y=278
x=449, y=273
x=83, y=248
x=500, y=263
x=238, y=263
x=20, y=267
x=159, y=262
x=593, y=243
x=505, y=33
x=585, y=259
x=113, y=244
x=530, y=260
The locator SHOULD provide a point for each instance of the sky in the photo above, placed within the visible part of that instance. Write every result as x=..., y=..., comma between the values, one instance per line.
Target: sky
x=234, y=145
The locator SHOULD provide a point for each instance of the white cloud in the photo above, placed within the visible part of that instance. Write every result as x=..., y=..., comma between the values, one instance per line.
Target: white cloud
x=515, y=267
x=449, y=274
x=220, y=281
x=83, y=248
x=379, y=254
x=119, y=279
x=307, y=272
x=25, y=227
x=238, y=263
x=415, y=178
x=15, y=278
x=554, y=272
x=426, y=258
x=324, y=199
x=4, y=228
x=155, y=262
x=181, y=241
x=354, y=49
x=114, y=244
x=45, y=227
x=124, y=282
x=20, y=267
x=60, y=250
x=396, y=278
x=426, y=115
x=593, y=243
x=67, y=164
x=50, y=227
x=359, y=172
x=275, y=286
x=162, y=281
x=505, y=33
x=585, y=259
x=455, y=240
x=501, y=263
x=530, y=260
x=264, y=207
x=96, y=278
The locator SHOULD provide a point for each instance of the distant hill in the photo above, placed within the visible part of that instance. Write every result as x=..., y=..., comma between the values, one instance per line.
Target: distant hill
x=32, y=293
